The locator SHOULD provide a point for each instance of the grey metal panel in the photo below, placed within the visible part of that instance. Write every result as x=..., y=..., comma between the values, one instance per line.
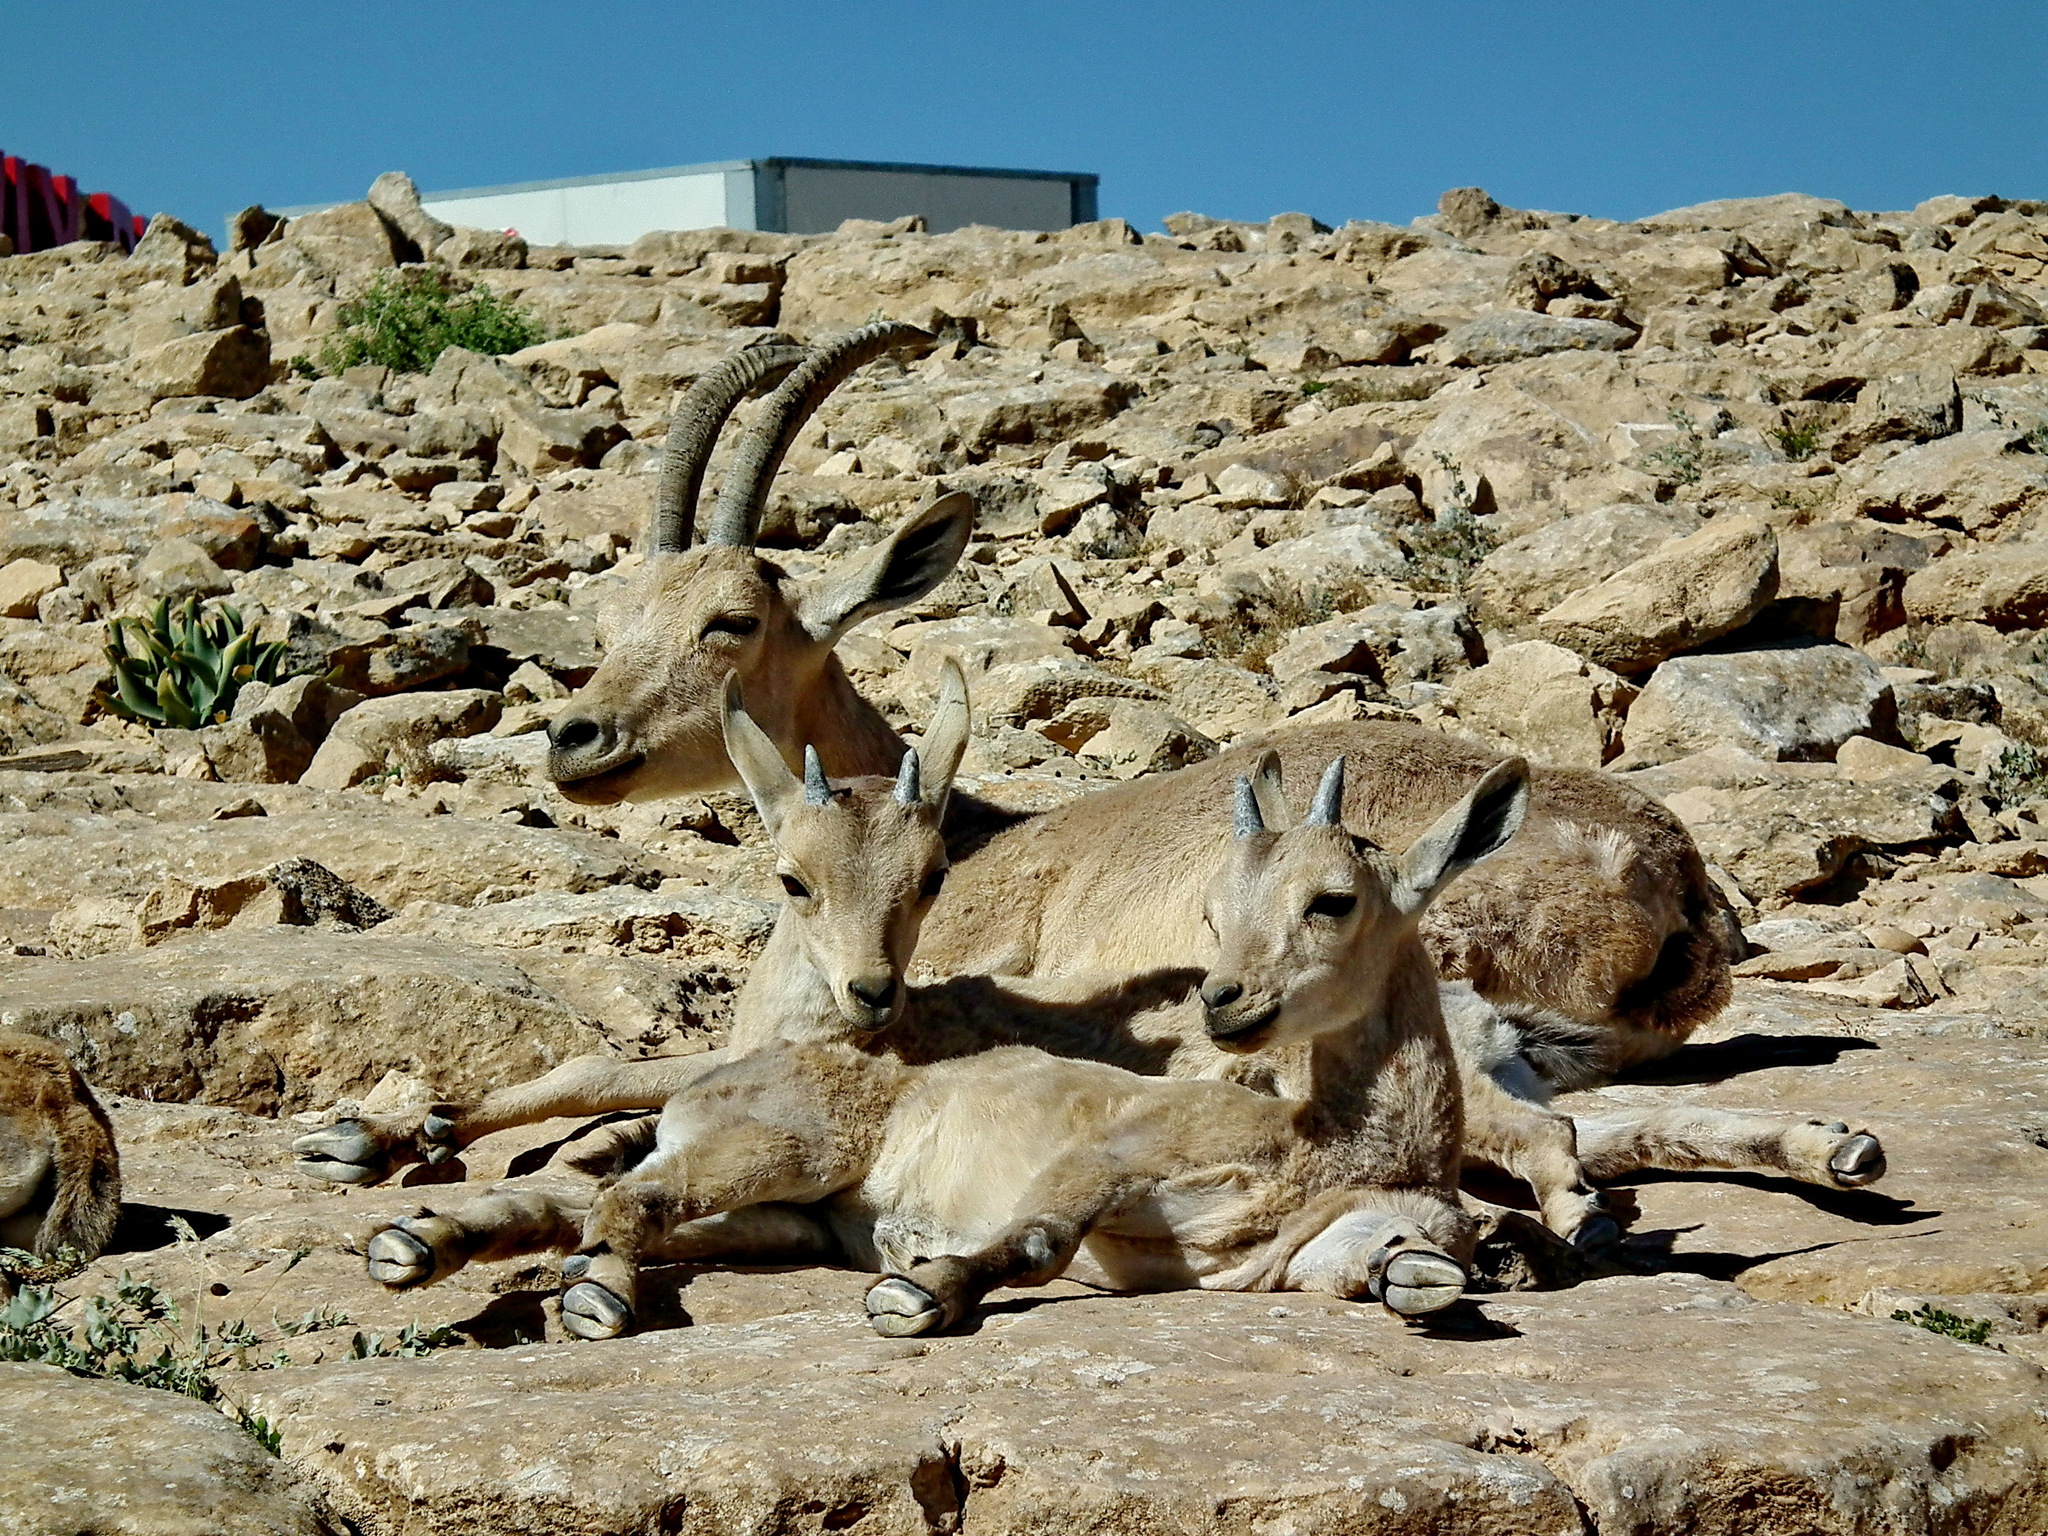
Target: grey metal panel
x=612, y=212
x=742, y=201
x=818, y=198
x=771, y=197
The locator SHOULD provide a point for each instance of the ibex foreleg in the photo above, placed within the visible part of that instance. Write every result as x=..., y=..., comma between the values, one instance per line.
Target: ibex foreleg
x=1687, y=1137
x=730, y=1166
x=503, y=1224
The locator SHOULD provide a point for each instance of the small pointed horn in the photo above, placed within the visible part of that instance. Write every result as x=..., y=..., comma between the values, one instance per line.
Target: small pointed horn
x=816, y=790
x=737, y=519
x=1328, y=810
x=693, y=433
x=1247, y=822
x=907, y=787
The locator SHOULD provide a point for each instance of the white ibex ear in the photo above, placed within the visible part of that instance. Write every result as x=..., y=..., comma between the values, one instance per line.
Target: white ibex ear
x=906, y=565
x=1275, y=814
x=945, y=737
x=767, y=777
x=1478, y=825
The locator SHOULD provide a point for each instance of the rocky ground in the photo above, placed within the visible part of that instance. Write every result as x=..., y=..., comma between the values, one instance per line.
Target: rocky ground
x=1744, y=501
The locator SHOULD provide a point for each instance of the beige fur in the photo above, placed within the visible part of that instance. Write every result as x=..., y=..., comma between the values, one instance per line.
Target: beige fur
x=904, y=1118
x=1603, y=912
x=60, y=1176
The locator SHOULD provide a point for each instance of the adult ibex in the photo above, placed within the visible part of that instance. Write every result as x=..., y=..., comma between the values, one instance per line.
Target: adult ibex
x=1602, y=912
x=60, y=1176
x=929, y=1147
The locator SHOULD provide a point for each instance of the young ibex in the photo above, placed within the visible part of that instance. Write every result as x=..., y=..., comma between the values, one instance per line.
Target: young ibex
x=1602, y=912
x=911, y=1127
x=60, y=1176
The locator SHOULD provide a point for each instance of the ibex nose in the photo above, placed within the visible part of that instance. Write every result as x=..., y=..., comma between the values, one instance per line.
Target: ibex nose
x=875, y=992
x=577, y=733
x=1221, y=994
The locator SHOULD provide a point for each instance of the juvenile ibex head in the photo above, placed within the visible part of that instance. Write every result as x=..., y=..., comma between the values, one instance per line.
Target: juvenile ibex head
x=861, y=862
x=647, y=724
x=1310, y=918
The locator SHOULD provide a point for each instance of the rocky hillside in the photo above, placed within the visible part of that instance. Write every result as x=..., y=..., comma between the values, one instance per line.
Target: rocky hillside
x=1744, y=500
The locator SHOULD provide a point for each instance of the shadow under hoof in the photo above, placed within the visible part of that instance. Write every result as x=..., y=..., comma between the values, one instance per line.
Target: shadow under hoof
x=143, y=1228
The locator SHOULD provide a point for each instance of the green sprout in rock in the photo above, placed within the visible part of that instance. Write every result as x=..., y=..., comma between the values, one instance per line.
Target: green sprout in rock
x=1970, y=1330
x=405, y=320
x=183, y=668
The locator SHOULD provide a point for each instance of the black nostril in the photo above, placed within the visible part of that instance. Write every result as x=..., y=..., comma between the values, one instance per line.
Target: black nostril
x=876, y=994
x=572, y=733
x=1221, y=996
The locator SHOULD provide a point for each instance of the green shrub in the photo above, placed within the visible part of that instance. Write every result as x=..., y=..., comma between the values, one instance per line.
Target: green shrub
x=1799, y=438
x=405, y=320
x=140, y=1337
x=1970, y=1330
x=1679, y=460
x=183, y=669
x=2019, y=776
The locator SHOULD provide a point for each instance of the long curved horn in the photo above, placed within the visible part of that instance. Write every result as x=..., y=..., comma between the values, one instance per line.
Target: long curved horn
x=693, y=433
x=1328, y=810
x=737, y=518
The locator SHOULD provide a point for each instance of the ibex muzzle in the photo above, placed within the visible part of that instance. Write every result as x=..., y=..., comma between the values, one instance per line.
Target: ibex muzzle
x=648, y=723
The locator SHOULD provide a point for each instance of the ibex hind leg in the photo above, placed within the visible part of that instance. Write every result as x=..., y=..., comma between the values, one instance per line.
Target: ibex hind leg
x=1689, y=1137
x=1067, y=1200
x=1382, y=1254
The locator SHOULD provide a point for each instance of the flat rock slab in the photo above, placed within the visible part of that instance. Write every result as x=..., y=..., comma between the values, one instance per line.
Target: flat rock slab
x=1648, y=1405
x=292, y=1018
x=94, y=1458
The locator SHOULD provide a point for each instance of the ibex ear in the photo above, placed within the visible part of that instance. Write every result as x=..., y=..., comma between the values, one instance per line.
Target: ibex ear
x=1478, y=825
x=906, y=565
x=1274, y=810
x=945, y=737
x=767, y=777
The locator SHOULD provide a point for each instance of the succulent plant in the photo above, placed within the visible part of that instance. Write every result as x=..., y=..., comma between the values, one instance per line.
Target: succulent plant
x=183, y=668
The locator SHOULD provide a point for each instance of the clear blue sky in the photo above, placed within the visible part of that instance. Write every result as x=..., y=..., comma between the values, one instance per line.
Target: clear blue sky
x=1359, y=110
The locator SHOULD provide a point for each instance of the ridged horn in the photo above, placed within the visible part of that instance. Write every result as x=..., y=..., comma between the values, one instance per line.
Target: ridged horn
x=1246, y=820
x=693, y=433
x=1328, y=810
x=737, y=518
x=816, y=790
x=907, y=786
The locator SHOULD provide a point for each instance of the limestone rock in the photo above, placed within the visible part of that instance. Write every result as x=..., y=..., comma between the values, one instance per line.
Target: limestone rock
x=1128, y=736
x=393, y=734
x=1975, y=481
x=1780, y=829
x=289, y=1018
x=395, y=197
x=233, y=362
x=2003, y=585
x=1509, y=335
x=1687, y=594
x=98, y=1458
x=1546, y=703
x=1796, y=703
x=25, y=583
x=1524, y=578
x=1086, y=1414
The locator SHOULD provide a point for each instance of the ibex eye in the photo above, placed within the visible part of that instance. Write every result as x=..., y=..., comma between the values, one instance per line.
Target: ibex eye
x=796, y=888
x=732, y=624
x=932, y=883
x=1331, y=904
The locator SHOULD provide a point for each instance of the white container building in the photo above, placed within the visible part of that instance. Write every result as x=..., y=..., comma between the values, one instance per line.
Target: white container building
x=790, y=196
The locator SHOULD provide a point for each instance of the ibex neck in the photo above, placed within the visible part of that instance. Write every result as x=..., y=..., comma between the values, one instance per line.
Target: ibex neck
x=850, y=734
